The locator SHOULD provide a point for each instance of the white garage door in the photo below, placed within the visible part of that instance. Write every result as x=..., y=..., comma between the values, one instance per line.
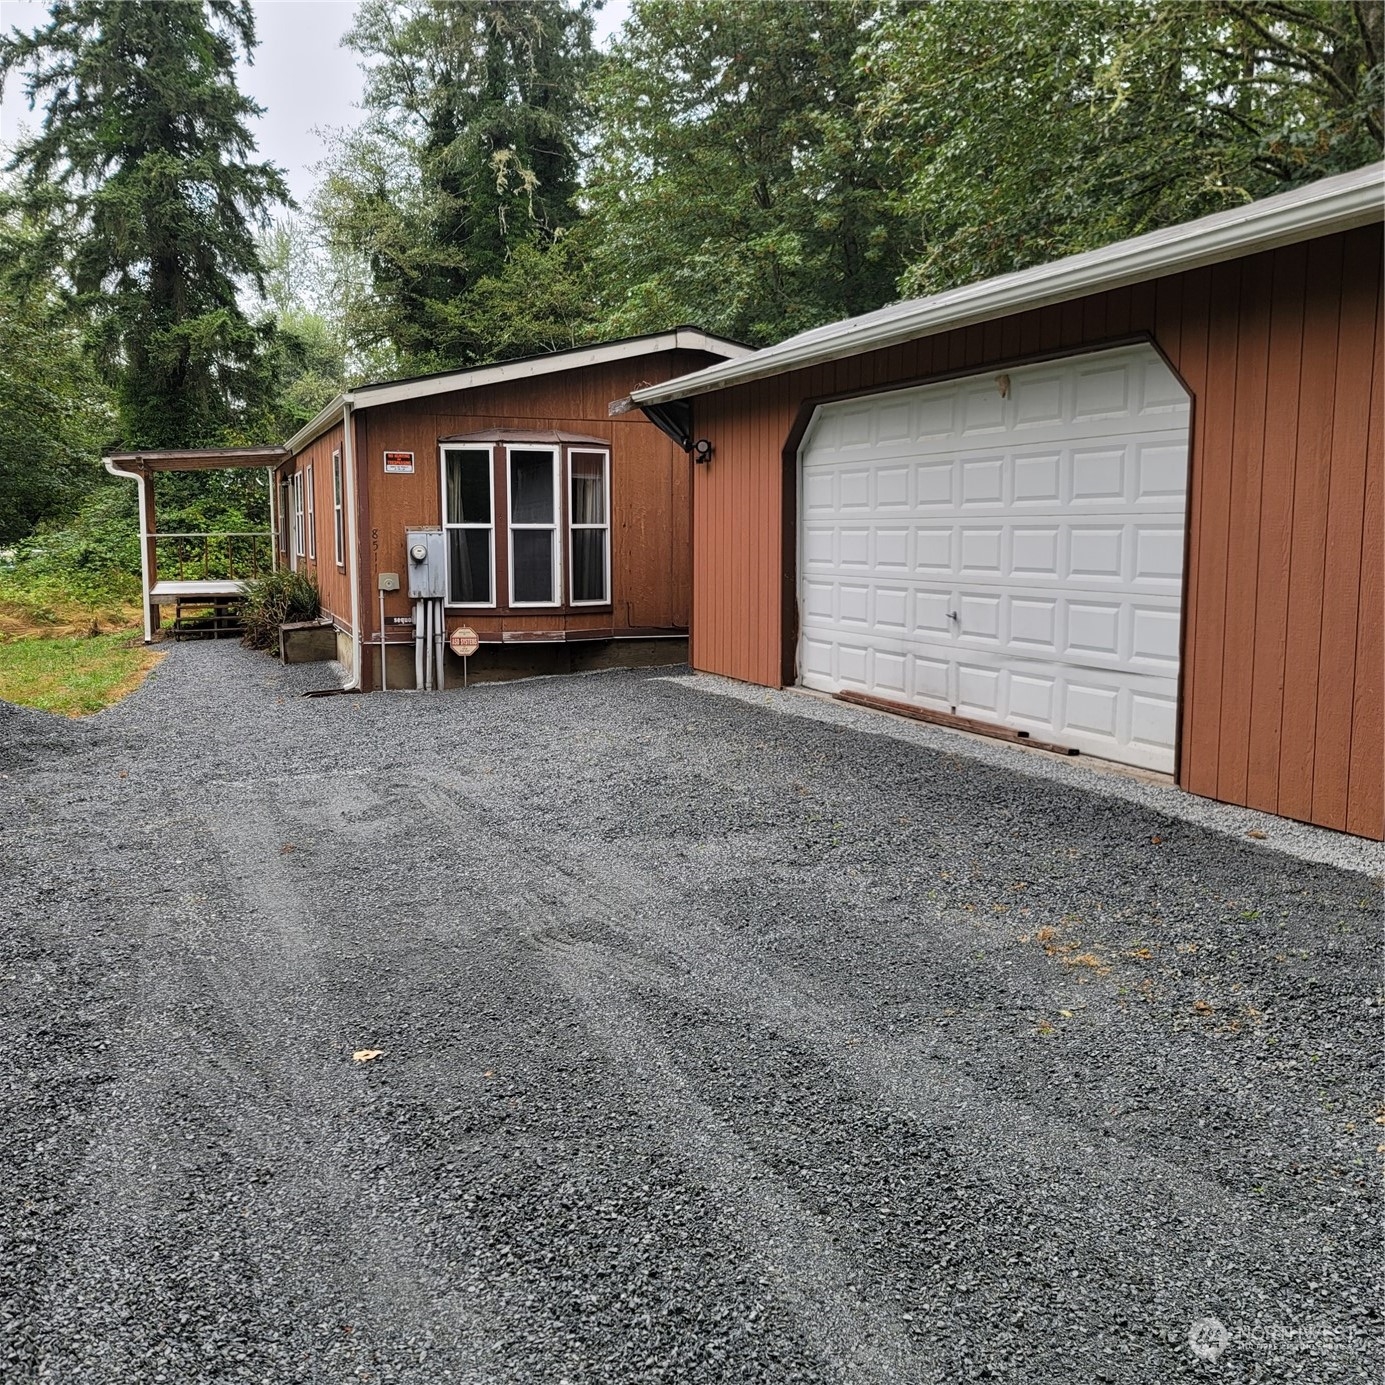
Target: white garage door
x=1005, y=547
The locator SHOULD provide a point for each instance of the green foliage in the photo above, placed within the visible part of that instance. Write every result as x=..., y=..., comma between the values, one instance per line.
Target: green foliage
x=93, y=557
x=276, y=599
x=731, y=185
x=140, y=172
x=1025, y=132
x=55, y=416
x=469, y=159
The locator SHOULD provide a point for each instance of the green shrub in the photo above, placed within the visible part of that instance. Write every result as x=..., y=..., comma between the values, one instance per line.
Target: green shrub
x=276, y=599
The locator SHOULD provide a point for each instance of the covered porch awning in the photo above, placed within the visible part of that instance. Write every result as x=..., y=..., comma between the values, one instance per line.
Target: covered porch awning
x=220, y=561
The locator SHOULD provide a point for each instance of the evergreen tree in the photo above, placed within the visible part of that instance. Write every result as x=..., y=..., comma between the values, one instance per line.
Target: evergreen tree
x=470, y=156
x=145, y=142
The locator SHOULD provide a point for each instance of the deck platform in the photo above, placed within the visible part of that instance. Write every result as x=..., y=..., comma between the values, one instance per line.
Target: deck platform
x=195, y=592
x=203, y=609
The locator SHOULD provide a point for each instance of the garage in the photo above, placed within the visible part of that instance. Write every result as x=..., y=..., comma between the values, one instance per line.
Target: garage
x=1006, y=547
x=995, y=505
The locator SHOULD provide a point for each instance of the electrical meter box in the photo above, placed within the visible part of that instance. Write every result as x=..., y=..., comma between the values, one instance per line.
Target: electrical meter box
x=427, y=563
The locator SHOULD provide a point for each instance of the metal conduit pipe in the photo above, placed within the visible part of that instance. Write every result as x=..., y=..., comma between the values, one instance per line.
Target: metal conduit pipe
x=418, y=645
x=439, y=636
x=428, y=642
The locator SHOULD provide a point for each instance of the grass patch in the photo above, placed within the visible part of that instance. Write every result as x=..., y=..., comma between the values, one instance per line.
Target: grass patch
x=42, y=606
x=73, y=675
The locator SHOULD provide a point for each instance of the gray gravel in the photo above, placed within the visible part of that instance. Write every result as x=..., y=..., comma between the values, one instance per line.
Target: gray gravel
x=719, y=1044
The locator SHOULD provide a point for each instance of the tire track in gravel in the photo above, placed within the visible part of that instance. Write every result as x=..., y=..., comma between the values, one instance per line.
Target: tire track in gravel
x=914, y=1075
x=276, y=992
x=101, y=1307
x=922, y=1080
x=267, y=1085
x=861, y=1342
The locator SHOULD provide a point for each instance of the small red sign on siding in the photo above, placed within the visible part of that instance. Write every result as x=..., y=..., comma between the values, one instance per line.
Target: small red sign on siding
x=399, y=463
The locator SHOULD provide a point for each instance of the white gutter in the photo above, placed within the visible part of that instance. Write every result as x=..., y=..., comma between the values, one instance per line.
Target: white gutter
x=348, y=456
x=138, y=479
x=1329, y=206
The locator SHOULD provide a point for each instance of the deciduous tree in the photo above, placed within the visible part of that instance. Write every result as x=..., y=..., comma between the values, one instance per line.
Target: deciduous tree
x=1022, y=132
x=732, y=184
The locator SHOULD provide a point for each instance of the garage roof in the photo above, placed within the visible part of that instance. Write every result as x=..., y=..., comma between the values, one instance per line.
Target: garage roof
x=1340, y=203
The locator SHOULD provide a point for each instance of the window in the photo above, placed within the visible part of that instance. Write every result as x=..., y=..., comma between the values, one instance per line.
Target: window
x=284, y=507
x=312, y=516
x=469, y=524
x=533, y=473
x=551, y=545
x=297, y=486
x=589, y=520
x=338, y=514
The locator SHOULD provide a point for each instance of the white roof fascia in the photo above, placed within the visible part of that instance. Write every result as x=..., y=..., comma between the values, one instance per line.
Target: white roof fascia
x=369, y=396
x=684, y=339
x=319, y=424
x=1331, y=205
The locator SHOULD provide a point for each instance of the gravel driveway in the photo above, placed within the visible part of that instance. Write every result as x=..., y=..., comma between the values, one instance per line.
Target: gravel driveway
x=717, y=1044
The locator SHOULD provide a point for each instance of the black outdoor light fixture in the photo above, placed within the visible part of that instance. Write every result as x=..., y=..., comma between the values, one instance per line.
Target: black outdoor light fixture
x=702, y=450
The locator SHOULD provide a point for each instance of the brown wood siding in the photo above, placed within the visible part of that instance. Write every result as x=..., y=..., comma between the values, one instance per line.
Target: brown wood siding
x=1281, y=705
x=651, y=580
x=332, y=579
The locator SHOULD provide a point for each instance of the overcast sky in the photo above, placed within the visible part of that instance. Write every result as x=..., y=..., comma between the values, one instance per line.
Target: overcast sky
x=302, y=76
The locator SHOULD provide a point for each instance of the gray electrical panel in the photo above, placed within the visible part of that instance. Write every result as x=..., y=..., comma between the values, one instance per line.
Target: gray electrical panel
x=427, y=563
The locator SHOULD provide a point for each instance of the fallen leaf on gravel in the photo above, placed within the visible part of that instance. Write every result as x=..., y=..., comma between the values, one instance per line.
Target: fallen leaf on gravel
x=286, y=848
x=1156, y=839
x=1256, y=833
x=367, y=1055
x=1202, y=1007
x=1066, y=1014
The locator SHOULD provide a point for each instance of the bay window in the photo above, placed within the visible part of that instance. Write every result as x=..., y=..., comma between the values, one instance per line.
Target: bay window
x=527, y=518
x=533, y=526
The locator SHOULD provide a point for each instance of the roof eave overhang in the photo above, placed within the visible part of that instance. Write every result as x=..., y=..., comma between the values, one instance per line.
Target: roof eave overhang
x=317, y=425
x=149, y=460
x=1259, y=226
x=531, y=367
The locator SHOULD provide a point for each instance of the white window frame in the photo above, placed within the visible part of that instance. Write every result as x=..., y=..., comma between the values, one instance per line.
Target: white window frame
x=338, y=513
x=555, y=529
x=285, y=523
x=296, y=519
x=312, y=512
x=574, y=527
x=443, y=449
